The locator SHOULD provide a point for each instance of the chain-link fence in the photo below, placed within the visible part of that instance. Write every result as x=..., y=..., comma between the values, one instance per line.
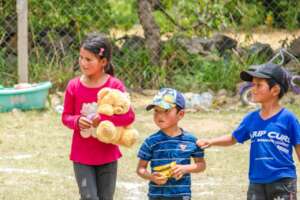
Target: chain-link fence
x=8, y=41
x=187, y=44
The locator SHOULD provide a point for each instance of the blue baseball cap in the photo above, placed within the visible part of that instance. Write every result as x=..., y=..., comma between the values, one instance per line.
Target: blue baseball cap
x=167, y=98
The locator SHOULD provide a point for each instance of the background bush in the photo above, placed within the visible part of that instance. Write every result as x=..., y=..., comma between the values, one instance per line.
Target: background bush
x=57, y=27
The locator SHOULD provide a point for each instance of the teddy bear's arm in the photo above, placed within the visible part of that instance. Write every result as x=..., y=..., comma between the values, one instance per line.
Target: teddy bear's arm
x=120, y=120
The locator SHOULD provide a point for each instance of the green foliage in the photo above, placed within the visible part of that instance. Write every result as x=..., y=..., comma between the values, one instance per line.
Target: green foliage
x=8, y=74
x=290, y=14
x=197, y=17
x=243, y=15
x=190, y=72
x=248, y=14
x=78, y=17
x=82, y=16
x=124, y=13
x=52, y=68
x=135, y=70
x=179, y=69
x=53, y=59
x=211, y=15
x=252, y=15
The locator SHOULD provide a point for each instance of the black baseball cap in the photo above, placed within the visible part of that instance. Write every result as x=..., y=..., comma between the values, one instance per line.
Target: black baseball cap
x=267, y=71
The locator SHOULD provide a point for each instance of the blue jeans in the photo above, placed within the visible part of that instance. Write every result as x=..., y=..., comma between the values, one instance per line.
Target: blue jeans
x=283, y=189
x=96, y=182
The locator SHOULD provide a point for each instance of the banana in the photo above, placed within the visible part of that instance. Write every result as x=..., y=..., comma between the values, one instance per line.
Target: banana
x=165, y=169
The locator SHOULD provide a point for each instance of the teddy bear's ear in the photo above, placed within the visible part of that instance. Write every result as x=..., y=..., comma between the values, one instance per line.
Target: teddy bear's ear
x=103, y=92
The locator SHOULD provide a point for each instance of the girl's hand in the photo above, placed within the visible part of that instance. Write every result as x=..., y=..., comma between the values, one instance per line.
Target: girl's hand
x=178, y=171
x=95, y=120
x=84, y=123
x=158, y=178
x=204, y=143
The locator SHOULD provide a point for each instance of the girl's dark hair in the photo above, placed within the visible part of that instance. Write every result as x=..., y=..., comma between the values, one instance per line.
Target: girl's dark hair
x=100, y=45
x=271, y=82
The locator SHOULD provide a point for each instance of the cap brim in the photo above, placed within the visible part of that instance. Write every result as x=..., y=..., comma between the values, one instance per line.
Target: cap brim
x=248, y=75
x=149, y=107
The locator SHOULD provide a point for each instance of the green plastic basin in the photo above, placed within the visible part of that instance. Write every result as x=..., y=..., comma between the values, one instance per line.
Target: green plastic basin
x=24, y=99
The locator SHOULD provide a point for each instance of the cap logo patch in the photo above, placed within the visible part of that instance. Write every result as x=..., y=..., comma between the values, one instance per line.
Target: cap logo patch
x=168, y=98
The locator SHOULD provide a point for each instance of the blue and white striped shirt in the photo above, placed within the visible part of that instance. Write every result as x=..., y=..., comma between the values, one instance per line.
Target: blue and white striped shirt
x=161, y=149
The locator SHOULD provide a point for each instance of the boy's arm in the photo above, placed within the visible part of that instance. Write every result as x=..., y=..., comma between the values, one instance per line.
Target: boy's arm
x=225, y=140
x=297, y=149
x=240, y=134
x=142, y=171
x=199, y=165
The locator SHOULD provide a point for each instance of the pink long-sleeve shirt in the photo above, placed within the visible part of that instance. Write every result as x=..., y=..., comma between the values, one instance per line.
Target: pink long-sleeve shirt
x=91, y=151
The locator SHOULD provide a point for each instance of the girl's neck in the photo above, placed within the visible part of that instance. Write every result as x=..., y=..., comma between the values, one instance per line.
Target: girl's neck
x=172, y=131
x=94, y=80
x=269, y=109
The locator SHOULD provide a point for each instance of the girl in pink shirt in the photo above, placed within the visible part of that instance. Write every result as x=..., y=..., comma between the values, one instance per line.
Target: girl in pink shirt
x=95, y=162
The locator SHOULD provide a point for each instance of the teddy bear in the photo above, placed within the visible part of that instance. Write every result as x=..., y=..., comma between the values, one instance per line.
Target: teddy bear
x=114, y=102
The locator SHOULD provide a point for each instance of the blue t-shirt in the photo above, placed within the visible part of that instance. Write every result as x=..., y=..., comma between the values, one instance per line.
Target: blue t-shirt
x=160, y=149
x=272, y=141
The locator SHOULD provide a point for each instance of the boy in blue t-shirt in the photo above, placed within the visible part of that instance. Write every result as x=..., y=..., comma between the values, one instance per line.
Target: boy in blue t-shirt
x=169, y=150
x=273, y=131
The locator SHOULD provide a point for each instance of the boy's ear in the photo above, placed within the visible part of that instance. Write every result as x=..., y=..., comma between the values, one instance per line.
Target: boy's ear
x=276, y=90
x=181, y=114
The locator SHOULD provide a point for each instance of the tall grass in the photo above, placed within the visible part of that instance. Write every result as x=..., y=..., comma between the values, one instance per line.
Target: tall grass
x=179, y=69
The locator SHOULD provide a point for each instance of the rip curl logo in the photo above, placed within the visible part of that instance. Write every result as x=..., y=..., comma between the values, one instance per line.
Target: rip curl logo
x=270, y=135
x=257, y=134
x=182, y=147
x=278, y=136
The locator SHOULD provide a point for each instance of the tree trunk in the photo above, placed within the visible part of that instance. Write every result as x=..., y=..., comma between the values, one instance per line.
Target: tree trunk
x=151, y=30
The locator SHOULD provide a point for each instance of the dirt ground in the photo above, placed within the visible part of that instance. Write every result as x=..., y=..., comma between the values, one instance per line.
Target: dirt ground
x=266, y=35
x=34, y=161
x=274, y=37
x=35, y=147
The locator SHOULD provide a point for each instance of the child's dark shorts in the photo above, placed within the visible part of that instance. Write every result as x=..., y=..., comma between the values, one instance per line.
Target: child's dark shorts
x=170, y=198
x=283, y=189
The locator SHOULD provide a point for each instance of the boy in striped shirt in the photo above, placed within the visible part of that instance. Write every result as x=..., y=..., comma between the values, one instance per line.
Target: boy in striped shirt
x=169, y=150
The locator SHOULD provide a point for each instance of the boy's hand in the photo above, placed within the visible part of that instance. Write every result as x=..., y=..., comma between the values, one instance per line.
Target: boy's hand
x=158, y=178
x=178, y=171
x=84, y=123
x=204, y=143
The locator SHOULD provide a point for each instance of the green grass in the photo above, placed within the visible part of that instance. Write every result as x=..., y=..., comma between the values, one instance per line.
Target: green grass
x=35, y=146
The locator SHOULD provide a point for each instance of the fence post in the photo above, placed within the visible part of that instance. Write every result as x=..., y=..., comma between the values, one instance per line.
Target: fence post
x=22, y=11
